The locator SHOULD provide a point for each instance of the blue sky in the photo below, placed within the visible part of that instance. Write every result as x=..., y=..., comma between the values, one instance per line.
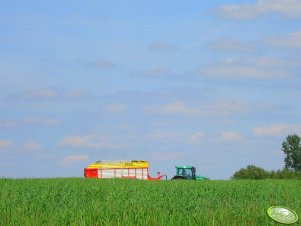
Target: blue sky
x=213, y=84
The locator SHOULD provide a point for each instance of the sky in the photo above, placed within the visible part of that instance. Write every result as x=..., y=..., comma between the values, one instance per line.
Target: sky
x=214, y=84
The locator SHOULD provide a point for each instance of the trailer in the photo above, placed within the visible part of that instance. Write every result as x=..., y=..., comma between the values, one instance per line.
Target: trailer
x=134, y=169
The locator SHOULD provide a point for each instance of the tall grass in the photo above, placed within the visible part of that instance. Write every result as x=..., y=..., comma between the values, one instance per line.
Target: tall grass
x=79, y=201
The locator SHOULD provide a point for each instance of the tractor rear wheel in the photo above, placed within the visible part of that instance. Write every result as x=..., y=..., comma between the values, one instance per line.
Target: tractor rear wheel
x=179, y=178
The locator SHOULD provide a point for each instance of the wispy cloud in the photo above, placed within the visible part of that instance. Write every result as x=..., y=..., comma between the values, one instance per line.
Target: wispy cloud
x=196, y=138
x=40, y=121
x=177, y=107
x=159, y=46
x=222, y=107
x=233, y=45
x=277, y=129
x=76, y=94
x=32, y=147
x=288, y=8
x=6, y=144
x=71, y=159
x=292, y=40
x=87, y=141
x=115, y=107
x=103, y=64
x=8, y=123
x=13, y=149
x=231, y=136
x=39, y=94
x=164, y=135
x=158, y=72
x=162, y=156
x=263, y=67
x=49, y=94
x=29, y=121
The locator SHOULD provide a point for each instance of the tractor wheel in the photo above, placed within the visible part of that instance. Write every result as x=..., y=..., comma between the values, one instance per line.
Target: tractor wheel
x=179, y=178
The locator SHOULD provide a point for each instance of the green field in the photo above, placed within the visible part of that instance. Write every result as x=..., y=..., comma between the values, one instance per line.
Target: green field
x=79, y=201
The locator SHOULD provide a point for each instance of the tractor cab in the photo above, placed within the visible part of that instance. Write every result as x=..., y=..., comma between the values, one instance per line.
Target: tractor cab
x=187, y=173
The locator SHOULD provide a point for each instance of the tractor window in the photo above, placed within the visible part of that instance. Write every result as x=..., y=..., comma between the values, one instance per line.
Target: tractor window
x=185, y=172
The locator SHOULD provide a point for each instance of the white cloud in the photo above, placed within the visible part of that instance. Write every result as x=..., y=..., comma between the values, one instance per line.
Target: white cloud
x=75, y=94
x=41, y=94
x=159, y=134
x=226, y=107
x=15, y=149
x=231, y=136
x=70, y=159
x=8, y=123
x=286, y=7
x=289, y=8
x=242, y=11
x=227, y=70
x=87, y=141
x=223, y=107
x=49, y=94
x=32, y=147
x=162, y=156
x=196, y=138
x=162, y=46
x=277, y=129
x=114, y=108
x=29, y=121
x=292, y=40
x=233, y=45
x=158, y=72
x=177, y=107
x=5, y=144
x=264, y=67
x=103, y=64
x=40, y=121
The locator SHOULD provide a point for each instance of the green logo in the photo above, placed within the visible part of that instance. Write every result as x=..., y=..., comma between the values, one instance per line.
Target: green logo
x=282, y=215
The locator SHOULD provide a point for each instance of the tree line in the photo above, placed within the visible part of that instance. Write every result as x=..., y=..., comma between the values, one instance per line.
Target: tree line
x=292, y=164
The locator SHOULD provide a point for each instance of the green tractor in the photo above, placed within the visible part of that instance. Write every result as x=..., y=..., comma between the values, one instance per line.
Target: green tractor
x=187, y=173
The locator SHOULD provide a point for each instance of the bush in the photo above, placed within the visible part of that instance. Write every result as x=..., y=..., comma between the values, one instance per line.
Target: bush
x=254, y=172
x=284, y=174
x=251, y=172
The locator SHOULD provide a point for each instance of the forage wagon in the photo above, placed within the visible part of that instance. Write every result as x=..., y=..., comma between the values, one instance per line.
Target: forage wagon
x=134, y=169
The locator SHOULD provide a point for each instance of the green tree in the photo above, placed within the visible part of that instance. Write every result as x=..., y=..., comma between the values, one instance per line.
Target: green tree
x=292, y=149
x=251, y=172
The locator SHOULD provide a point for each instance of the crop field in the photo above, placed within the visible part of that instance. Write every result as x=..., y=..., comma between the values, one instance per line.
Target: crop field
x=79, y=201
